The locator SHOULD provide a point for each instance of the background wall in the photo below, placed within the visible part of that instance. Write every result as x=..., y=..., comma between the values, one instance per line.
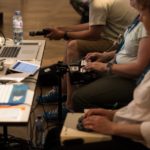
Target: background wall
x=38, y=14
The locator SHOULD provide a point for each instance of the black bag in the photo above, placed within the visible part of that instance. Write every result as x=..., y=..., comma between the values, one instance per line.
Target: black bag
x=48, y=76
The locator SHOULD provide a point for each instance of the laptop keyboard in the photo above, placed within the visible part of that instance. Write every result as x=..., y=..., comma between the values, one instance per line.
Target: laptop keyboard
x=10, y=51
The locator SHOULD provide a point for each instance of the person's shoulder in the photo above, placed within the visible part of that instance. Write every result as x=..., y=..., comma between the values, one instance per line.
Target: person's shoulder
x=100, y=2
x=141, y=30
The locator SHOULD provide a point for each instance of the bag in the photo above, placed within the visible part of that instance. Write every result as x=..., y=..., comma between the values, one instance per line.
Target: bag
x=48, y=76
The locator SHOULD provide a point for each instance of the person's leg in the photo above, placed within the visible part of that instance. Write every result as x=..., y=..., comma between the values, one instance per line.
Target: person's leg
x=76, y=49
x=103, y=92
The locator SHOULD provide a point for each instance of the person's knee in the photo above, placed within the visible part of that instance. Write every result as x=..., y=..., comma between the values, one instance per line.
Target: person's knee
x=72, y=50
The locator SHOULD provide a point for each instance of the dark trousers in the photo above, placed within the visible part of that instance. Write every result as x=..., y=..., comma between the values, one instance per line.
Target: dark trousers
x=104, y=92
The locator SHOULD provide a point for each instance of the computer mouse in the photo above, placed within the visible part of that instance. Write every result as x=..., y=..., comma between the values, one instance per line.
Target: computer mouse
x=80, y=125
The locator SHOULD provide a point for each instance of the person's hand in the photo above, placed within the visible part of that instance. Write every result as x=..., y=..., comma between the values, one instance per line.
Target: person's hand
x=97, y=66
x=99, y=124
x=100, y=112
x=95, y=56
x=55, y=34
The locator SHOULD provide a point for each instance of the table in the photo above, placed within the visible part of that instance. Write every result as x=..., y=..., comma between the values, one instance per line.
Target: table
x=23, y=109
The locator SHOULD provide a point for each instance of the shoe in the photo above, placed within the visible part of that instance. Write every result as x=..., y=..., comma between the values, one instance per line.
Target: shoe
x=51, y=97
x=53, y=115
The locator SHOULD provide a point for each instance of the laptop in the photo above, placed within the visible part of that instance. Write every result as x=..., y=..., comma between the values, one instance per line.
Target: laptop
x=24, y=51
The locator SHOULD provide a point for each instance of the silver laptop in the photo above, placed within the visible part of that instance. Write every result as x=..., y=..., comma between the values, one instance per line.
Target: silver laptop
x=24, y=51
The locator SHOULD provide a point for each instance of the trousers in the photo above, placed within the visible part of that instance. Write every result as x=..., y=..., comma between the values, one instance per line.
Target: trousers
x=106, y=92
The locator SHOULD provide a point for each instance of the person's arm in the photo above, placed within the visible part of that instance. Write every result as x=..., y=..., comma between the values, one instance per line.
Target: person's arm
x=129, y=69
x=78, y=27
x=109, y=113
x=100, y=56
x=145, y=126
x=127, y=130
x=103, y=125
x=92, y=33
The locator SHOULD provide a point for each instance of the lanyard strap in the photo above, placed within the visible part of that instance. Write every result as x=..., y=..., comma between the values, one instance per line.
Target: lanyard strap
x=130, y=28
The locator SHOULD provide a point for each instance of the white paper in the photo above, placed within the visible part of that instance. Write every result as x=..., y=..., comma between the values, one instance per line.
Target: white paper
x=10, y=113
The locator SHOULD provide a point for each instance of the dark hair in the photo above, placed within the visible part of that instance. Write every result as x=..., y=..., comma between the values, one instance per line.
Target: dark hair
x=144, y=4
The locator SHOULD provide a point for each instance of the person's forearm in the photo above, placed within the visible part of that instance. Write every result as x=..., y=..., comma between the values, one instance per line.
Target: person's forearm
x=127, y=130
x=109, y=55
x=84, y=35
x=93, y=33
x=127, y=70
x=75, y=28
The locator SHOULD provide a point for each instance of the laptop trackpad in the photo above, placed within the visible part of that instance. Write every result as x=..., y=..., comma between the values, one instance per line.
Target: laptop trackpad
x=28, y=52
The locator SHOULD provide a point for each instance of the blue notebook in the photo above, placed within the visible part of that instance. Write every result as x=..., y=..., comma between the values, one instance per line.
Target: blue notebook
x=13, y=94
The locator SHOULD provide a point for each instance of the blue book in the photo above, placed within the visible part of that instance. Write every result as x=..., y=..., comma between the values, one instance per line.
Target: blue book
x=16, y=94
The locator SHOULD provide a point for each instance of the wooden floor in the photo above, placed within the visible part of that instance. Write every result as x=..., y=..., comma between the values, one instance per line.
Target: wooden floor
x=38, y=14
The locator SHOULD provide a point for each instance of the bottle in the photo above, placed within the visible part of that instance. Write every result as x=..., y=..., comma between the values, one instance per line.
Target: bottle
x=39, y=132
x=17, y=27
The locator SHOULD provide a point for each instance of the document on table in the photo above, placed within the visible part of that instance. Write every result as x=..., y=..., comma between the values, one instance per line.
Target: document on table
x=10, y=113
x=13, y=94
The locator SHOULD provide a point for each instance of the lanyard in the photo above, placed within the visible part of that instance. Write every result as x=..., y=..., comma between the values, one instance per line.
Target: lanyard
x=130, y=28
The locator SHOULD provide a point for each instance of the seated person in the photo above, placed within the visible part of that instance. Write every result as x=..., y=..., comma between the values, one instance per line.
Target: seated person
x=119, y=78
x=99, y=35
x=129, y=126
x=82, y=8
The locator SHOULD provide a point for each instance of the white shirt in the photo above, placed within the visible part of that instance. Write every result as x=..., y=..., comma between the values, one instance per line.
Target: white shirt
x=138, y=110
x=129, y=51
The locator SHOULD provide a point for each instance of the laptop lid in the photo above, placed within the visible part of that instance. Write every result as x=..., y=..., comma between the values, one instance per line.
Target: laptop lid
x=24, y=51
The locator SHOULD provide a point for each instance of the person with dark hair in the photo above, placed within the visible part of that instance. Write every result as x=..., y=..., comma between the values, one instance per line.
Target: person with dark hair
x=82, y=8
